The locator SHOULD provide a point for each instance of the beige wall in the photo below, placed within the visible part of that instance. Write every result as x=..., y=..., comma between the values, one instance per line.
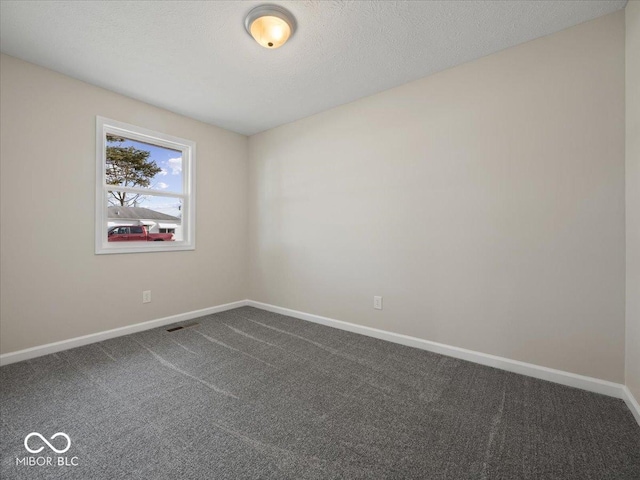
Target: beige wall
x=485, y=203
x=633, y=196
x=53, y=286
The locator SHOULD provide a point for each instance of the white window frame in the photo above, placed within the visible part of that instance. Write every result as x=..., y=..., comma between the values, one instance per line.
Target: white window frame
x=106, y=126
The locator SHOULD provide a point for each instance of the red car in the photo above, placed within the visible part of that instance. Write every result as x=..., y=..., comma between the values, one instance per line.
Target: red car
x=135, y=233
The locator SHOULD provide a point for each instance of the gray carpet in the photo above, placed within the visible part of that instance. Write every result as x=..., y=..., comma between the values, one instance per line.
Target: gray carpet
x=252, y=394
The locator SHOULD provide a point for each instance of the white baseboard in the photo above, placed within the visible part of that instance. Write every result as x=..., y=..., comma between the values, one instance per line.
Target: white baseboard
x=632, y=403
x=591, y=384
x=34, y=352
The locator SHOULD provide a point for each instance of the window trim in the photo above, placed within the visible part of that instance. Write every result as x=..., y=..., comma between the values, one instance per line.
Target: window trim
x=106, y=126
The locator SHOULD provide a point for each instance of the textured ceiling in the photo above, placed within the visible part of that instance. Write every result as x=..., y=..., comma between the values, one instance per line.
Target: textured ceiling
x=195, y=58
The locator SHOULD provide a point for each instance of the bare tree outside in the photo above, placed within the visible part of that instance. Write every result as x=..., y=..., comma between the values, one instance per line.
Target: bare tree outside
x=128, y=167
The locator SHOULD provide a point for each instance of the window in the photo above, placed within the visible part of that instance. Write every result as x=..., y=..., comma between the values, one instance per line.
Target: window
x=145, y=192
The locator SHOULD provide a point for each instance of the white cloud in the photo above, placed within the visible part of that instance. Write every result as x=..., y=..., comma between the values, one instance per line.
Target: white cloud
x=163, y=172
x=175, y=164
x=162, y=185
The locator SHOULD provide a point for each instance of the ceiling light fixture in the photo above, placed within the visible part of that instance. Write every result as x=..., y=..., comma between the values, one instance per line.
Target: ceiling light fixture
x=270, y=25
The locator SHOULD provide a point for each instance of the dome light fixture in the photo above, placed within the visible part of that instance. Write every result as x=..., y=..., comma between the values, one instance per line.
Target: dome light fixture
x=270, y=25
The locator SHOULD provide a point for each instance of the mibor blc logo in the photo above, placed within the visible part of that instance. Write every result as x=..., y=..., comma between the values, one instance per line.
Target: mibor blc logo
x=38, y=450
x=33, y=443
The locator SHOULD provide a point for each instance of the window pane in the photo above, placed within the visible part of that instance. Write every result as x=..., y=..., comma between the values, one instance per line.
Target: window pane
x=142, y=218
x=131, y=163
x=144, y=188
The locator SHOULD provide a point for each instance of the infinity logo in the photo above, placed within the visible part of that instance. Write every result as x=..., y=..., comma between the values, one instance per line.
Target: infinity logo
x=36, y=434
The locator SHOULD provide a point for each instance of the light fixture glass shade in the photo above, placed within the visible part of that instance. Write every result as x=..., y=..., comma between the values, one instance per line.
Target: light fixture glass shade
x=270, y=32
x=270, y=25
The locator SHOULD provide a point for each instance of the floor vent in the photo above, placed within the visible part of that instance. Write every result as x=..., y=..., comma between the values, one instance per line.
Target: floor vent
x=180, y=327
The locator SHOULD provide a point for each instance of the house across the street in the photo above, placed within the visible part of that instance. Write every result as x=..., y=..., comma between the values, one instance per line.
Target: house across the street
x=156, y=222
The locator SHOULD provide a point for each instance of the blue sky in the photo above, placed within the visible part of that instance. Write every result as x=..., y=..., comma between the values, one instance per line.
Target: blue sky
x=170, y=179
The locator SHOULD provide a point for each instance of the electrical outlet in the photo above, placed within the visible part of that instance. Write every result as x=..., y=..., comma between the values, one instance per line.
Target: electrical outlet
x=377, y=303
x=146, y=296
